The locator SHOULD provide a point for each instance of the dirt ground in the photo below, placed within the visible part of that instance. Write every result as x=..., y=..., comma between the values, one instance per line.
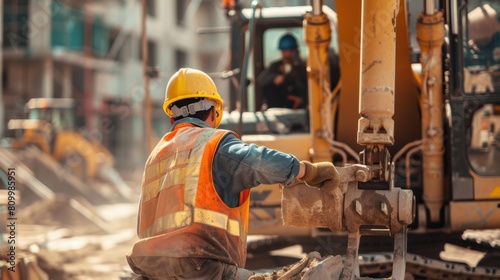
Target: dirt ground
x=69, y=246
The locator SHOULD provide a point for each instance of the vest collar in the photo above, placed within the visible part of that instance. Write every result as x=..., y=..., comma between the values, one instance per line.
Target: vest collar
x=193, y=121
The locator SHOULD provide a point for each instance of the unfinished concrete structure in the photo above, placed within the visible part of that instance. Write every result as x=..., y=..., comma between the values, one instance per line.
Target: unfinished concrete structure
x=91, y=51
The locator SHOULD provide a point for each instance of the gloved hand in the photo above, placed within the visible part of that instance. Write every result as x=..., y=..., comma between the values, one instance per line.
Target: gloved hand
x=321, y=174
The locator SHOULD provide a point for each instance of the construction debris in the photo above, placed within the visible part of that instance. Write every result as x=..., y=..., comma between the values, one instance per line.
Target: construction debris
x=313, y=266
x=64, y=211
x=63, y=242
x=489, y=237
x=459, y=254
x=26, y=267
x=64, y=223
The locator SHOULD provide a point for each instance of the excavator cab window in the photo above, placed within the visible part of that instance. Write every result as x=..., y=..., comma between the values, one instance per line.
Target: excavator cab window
x=59, y=118
x=295, y=77
x=484, y=148
x=481, y=45
x=481, y=84
x=285, y=119
x=269, y=25
x=271, y=53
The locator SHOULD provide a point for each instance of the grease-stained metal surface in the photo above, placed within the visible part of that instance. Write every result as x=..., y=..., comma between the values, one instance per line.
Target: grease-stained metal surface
x=391, y=208
x=377, y=73
x=430, y=37
x=303, y=206
x=347, y=207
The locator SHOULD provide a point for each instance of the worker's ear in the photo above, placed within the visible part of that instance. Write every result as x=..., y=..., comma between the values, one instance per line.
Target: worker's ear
x=214, y=114
x=211, y=116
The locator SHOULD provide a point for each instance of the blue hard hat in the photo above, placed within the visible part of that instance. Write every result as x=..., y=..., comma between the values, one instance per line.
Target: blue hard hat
x=287, y=42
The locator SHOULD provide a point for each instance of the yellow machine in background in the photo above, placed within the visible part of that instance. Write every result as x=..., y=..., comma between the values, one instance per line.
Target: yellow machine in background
x=50, y=126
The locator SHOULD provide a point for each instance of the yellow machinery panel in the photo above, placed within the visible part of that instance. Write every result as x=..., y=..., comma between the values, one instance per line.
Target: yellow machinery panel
x=474, y=215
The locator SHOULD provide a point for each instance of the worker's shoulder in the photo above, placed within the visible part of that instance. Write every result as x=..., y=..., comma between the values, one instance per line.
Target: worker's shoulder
x=228, y=133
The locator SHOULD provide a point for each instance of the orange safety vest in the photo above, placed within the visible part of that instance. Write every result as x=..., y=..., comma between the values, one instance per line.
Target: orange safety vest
x=180, y=212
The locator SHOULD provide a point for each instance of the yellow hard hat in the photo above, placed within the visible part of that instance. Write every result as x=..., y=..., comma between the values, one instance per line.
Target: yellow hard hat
x=191, y=83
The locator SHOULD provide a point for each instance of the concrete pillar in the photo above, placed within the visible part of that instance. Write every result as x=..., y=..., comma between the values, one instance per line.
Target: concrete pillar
x=66, y=81
x=47, y=78
x=39, y=26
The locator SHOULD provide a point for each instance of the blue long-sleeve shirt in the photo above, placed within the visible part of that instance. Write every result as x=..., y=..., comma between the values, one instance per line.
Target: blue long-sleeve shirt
x=238, y=166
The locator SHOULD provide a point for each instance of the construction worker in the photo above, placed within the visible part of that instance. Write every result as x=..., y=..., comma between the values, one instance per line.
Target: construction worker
x=194, y=203
x=284, y=82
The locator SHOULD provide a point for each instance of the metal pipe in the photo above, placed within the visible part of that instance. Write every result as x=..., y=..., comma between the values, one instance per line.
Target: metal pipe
x=341, y=153
x=328, y=119
x=344, y=147
x=406, y=147
x=430, y=37
x=317, y=7
x=317, y=35
x=407, y=164
x=454, y=17
x=328, y=114
x=429, y=7
x=243, y=77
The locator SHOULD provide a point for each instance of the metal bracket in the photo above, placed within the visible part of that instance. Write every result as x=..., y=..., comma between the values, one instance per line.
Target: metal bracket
x=351, y=265
x=386, y=211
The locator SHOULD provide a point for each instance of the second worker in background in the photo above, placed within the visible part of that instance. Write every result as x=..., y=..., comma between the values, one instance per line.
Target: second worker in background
x=284, y=82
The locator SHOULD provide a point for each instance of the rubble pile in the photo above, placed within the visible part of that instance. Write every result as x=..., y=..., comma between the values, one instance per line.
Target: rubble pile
x=65, y=228
x=26, y=265
x=59, y=212
x=64, y=242
x=489, y=237
x=312, y=266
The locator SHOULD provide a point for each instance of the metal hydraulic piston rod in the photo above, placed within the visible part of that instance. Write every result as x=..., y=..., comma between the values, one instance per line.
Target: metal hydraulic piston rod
x=377, y=83
x=376, y=207
x=430, y=37
x=317, y=35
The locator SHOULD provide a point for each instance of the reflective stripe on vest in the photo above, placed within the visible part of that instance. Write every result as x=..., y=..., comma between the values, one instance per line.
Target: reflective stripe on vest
x=184, y=218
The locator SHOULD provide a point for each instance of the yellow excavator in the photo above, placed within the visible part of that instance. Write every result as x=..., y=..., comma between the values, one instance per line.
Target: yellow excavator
x=50, y=127
x=414, y=130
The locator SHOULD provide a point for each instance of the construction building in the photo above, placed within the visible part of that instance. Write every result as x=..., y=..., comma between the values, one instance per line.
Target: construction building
x=91, y=51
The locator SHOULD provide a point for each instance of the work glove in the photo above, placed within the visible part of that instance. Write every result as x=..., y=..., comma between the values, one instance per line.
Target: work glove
x=321, y=174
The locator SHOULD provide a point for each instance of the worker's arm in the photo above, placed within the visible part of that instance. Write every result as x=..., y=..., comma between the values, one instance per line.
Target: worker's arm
x=238, y=166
